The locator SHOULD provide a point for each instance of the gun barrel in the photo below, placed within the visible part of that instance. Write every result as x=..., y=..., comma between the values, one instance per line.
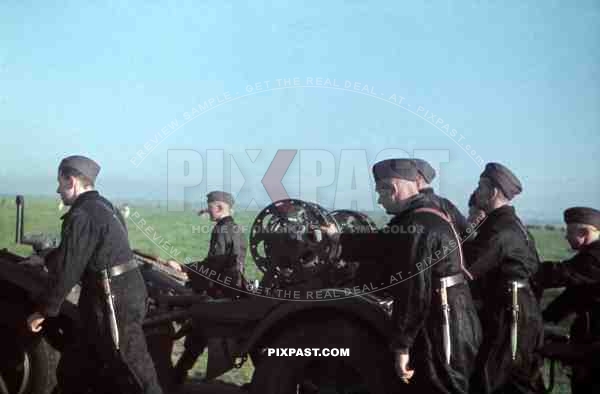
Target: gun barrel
x=159, y=264
x=20, y=201
x=147, y=256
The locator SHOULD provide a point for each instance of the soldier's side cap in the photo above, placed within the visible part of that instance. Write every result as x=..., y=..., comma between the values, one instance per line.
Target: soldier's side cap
x=221, y=196
x=395, y=168
x=84, y=165
x=425, y=169
x=583, y=215
x=503, y=178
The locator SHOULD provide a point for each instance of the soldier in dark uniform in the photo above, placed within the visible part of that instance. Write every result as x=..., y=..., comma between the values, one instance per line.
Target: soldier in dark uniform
x=227, y=238
x=504, y=255
x=581, y=277
x=425, y=176
x=418, y=263
x=94, y=242
x=226, y=255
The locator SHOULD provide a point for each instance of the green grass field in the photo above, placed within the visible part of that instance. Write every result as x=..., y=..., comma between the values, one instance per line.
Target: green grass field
x=181, y=235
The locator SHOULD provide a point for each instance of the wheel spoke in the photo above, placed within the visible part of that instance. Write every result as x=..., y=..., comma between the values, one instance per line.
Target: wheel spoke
x=290, y=234
x=3, y=388
x=26, y=374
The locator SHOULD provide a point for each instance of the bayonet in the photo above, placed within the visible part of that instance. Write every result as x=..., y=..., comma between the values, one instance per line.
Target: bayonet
x=515, y=320
x=110, y=303
x=446, y=321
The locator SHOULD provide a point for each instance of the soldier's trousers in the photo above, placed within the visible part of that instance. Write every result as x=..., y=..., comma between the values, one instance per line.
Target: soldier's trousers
x=496, y=371
x=194, y=345
x=83, y=367
x=92, y=358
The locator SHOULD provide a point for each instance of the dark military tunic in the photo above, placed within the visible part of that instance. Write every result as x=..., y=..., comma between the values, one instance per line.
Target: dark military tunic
x=581, y=277
x=227, y=240
x=504, y=251
x=423, y=257
x=458, y=219
x=226, y=256
x=93, y=239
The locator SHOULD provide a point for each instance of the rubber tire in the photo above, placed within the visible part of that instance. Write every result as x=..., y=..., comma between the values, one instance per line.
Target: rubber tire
x=3, y=388
x=368, y=356
x=43, y=362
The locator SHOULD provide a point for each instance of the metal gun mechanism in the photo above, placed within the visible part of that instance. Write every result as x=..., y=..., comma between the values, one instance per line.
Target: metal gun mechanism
x=286, y=241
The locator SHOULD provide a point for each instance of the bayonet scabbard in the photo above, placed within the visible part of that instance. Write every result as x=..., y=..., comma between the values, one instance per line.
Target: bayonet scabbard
x=515, y=319
x=110, y=304
x=446, y=322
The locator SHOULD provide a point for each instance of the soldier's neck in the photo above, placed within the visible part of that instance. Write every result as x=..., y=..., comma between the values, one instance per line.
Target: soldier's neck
x=221, y=217
x=81, y=191
x=497, y=205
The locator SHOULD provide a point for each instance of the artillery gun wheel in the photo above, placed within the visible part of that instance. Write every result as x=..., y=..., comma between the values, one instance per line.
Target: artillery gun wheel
x=286, y=240
x=31, y=370
x=353, y=222
x=367, y=369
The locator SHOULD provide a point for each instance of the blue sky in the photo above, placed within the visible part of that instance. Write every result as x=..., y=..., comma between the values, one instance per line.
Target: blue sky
x=518, y=80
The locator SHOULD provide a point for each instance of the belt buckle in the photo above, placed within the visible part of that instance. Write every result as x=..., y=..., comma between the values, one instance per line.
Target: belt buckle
x=517, y=285
x=444, y=281
x=450, y=280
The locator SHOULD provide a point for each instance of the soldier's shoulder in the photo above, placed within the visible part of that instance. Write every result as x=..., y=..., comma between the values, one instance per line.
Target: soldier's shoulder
x=593, y=251
x=99, y=209
x=230, y=222
x=492, y=229
x=227, y=228
x=96, y=202
x=429, y=221
x=449, y=204
x=432, y=199
x=79, y=212
x=429, y=212
x=77, y=217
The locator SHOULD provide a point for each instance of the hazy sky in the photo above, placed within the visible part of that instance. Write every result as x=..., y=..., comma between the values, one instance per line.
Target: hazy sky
x=517, y=81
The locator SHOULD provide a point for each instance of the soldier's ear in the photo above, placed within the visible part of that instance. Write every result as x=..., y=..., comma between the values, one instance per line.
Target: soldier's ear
x=495, y=193
x=394, y=188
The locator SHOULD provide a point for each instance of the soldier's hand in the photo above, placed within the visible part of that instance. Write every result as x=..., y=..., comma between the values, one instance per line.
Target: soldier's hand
x=34, y=322
x=329, y=229
x=401, y=365
x=175, y=265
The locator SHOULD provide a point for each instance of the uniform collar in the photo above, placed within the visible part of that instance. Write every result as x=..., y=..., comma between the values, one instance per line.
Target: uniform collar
x=412, y=203
x=592, y=245
x=85, y=196
x=225, y=219
x=427, y=190
x=503, y=210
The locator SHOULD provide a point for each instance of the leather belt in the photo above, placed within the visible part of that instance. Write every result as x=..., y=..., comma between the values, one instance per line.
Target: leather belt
x=452, y=280
x=118, y=269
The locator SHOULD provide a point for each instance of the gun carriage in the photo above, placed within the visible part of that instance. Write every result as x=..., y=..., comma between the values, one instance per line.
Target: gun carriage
x=283, y=310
